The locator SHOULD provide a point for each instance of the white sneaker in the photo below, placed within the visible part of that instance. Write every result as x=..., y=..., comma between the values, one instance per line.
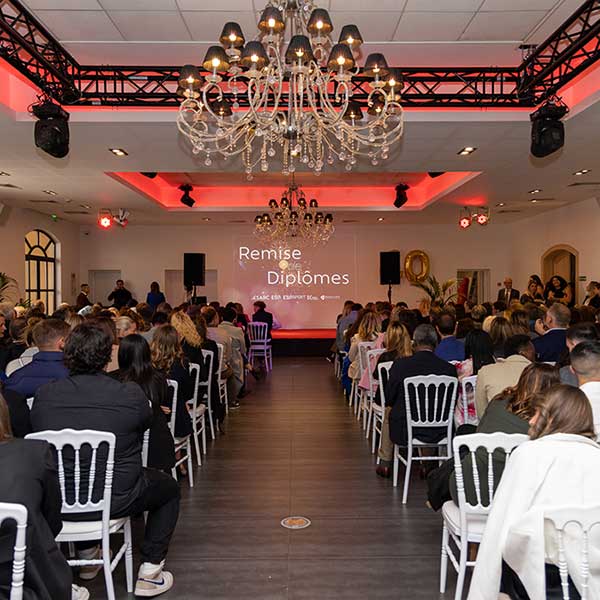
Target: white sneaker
x=152, y=580
x=79, y=593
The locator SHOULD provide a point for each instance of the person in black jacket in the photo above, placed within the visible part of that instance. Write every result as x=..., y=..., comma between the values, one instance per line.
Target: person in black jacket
x=262, y=316
x=120, y=296
x=422, y=362
x=28, y=476
x=90, y=399
x=18, y=410
x=135, y=364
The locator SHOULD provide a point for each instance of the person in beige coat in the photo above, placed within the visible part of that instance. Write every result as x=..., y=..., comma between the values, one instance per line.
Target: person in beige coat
x=238, y=346
x=494, y=379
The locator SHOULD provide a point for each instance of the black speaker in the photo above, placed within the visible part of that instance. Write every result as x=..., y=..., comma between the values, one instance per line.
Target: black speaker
x=194, y=267
x=389, y=267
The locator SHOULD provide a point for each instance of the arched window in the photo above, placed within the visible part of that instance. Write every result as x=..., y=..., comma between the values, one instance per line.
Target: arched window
x=40, y=268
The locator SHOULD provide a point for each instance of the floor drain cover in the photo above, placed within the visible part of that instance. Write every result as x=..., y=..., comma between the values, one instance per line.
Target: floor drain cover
x=295, y=523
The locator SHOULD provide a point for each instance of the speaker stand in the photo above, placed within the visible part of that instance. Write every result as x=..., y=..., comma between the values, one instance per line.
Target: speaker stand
x=390, y=293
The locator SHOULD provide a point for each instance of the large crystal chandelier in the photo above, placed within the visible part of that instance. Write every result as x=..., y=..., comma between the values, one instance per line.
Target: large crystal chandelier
x=293, y=220
x=287, y=95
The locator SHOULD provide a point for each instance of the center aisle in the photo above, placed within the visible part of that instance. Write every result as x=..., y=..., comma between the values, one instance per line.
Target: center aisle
x=294, y=448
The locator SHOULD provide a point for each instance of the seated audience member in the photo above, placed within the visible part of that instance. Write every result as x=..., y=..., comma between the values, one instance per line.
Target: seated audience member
x=500, y=331
x=487, y=323
x=17, y=344
x=238, y=352
x=592, y=297
x=558, y=467
x=158, y=319
x=519, y=320
x=7, y=314
x=368, y=331
x=494, y=378
x=478, y=314
x=169, y=359
x=262, y=316
x=90, y=399
x=348, y=316
x=463, y=327
x=211, y=316
x=109, y=327
x=28, y=476
x=533, y=294
x=558, y=290
x=422, y=362
x=552, y=329
x=449, y=348
x=585, y=361
x=18, y=410
x=125, y=326
x=46, y=365
x=479, y=352
x=498, y=308
x=73, y=319
x=144, y=311
x=582, y=332
x=135, y=364
x=191, y=344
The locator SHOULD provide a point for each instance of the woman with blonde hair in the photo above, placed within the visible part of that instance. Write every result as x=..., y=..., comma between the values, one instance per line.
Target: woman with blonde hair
x=500, y=331
x=368, y=331
x=191, y=342
x=125, y=326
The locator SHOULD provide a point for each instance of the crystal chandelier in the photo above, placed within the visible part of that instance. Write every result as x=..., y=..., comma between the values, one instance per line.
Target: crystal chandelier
x=293, y=220
x=288, y=95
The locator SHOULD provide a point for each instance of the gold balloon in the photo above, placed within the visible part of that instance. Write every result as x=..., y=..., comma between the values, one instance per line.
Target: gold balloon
x=409, y=262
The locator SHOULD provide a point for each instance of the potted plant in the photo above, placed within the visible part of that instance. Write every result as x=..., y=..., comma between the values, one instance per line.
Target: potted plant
x=439, y=294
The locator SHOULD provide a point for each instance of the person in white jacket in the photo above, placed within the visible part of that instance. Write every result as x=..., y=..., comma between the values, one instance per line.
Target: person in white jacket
x=558, y=467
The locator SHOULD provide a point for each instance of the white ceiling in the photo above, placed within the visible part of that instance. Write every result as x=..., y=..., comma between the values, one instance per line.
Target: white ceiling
x=410, y=32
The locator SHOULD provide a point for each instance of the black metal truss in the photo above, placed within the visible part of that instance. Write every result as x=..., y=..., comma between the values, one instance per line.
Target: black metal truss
x=30, y=48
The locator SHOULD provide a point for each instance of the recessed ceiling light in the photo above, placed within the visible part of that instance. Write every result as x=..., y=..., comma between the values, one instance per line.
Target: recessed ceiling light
x=50, y=192
x=206, y=218
x=118, y=151
x=534, y=201
x=380, y=219
x=582, y=172
x=4, y=174
x=467, y=150
x=536, y=191
x=86, y=206
x=500, y=204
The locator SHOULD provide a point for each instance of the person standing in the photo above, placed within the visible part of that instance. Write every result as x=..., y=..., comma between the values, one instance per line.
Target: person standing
x=155, y=296
x=507, y=293
x=120, y=296
x=83, y=299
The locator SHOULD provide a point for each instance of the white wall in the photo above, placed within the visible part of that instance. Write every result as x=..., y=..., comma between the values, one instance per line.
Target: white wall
x=15, y=223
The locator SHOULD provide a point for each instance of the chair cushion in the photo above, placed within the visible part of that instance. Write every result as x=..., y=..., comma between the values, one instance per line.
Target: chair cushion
x=475, y=523
x=76, y=528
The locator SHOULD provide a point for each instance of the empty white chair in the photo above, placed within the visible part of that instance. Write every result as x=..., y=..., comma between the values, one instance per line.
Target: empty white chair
x=260, y=345
x=79, y=486
x=580, y=520
x=18, y=514
x=369, y=394
x=465, y=523
x=383, y=373
x=183, y=445
x=468, y=385
x=207, y=391
x=430, y=402
x=197, y=410
x=223, y=395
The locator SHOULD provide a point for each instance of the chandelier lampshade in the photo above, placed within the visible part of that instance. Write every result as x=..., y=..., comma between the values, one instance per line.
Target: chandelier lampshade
x=341, y=57
x=254, y=56
x=299, y=51
x=232, y=35
x=271, y=20
x=350, y=35
x=319, y=22
x=189, y=76
x=376, y=65
x=353, y=112
x=216, y=60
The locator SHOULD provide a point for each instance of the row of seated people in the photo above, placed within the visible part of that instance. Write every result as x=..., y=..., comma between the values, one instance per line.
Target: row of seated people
x=103, y=373
x=541, y=383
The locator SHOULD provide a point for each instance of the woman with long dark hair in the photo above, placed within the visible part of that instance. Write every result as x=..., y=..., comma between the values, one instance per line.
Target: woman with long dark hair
x=558, y=290
x=135, y=364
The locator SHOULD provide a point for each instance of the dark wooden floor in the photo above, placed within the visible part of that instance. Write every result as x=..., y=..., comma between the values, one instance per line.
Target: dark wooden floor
x=294, y=448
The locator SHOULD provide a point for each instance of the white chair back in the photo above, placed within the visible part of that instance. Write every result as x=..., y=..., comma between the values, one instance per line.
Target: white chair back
x=18, y=514
x=383, y=374
x=221, y=350
x=174, y=385
x=430, y=402
x=77, y=484
x=490, y=442
x=363, y=348
x=258, y=333
x=582, y=520
x=468, y=385
x=194, y=369
x=145, y=445
x=209, y=358
x=372, y=356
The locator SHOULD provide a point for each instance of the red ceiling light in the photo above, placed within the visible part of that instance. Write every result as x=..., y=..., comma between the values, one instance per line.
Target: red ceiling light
x=465, y=219
x=483, y=216
x=105, y=219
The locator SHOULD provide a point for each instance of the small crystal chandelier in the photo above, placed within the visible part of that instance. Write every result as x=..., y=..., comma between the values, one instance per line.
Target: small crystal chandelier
x=287, y=94
x=293, y=220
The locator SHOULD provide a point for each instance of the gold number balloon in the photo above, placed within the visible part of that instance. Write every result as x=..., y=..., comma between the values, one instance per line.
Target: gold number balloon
x=409, y=261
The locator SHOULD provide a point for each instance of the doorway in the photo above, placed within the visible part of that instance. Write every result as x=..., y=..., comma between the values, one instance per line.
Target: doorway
x=564, y=261
x=473, y=285
x=102, y=283
x=175, y=292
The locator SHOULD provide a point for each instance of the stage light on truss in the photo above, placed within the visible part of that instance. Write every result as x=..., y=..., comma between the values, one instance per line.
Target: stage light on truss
x=105, y=219
x=465, y=218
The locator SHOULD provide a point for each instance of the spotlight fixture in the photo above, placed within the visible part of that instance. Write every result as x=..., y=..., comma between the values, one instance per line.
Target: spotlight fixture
x=206, y=219
x=581, y=172
x=547, y=129
x=533, y=201
x=536, y=191
x=465, y=218
x=380, y=219
x=105, y=218
x=121, y=218
x=51, y=133
x=401, y=196
x=500, y=204
x=186, y=199
x=118, y=151
x=434, y=174
x=483, y=216
x=50, y=192
x=466, y=151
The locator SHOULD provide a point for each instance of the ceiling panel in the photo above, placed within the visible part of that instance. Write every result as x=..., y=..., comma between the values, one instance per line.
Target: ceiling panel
x=510, y=25
x=207, y=26
x=63, y=4
x=84, y=25
x=507, y=5
x=374, y=26
x=443, y=5
x=139, y=5
x=209, y=5
x=426, y=26
x=361, y=5
x=150, y=25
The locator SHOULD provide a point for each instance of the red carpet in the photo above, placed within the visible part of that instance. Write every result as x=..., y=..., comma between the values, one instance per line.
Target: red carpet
x=303, y=334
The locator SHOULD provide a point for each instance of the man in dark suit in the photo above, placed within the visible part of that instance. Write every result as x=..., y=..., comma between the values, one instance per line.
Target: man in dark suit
x=551, y=346
x=422, y=362
x=507, y=293
x=90, y=399
x=262, y=316
x=120, y=296
x=83, y=299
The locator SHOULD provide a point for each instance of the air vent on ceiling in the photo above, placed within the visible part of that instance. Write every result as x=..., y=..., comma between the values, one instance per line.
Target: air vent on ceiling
x=44, y=201
x=585, y=183
x=10, y=185
x=238, y=221
x=509, y=211
x=76, y=212
x=349, y=220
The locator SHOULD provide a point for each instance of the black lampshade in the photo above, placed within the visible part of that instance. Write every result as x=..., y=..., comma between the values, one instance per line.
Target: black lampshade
x=353, y=112
x=376, y=65
x=258, y=219
x=314, y=203
x=284, y=202
x=222, y=108
x=340, y=56
x=254, y=56
x=328, y=218
x=273, y=203
x=232, y=35
x=319, y=217
x=302, y=202
x=350, y=36
x=216, y=59
x=271, y=20
x=299, y=50
x=319, y=22
x=308, y=217
x=189, y=76
x=394, y=79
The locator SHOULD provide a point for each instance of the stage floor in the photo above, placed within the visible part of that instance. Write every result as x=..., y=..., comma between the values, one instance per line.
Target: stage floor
x=302, y=342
